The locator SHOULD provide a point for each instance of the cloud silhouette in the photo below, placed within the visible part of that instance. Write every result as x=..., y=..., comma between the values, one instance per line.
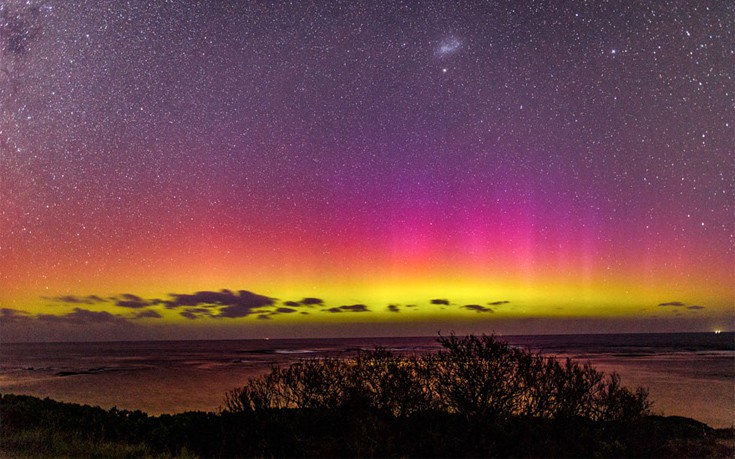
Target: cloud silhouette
x=149, y=314
x=196, y=313
x=231, y=305
x=695, y=307
x=128, y=300
x=305, y=302
x=221, y=304
x=79, y=317
x=7, y=314
x=84, y=317
x=675, y=304
x=73, y=299
x=312, y=302
x=477, y=308
x=349, y=308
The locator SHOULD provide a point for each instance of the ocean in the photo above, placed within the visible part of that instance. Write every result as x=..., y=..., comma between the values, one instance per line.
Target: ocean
x=687, y=374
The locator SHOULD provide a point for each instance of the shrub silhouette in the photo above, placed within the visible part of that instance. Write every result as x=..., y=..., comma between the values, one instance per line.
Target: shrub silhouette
x=472, y=376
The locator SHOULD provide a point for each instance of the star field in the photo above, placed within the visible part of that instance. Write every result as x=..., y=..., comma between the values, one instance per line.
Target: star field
x=574, y=159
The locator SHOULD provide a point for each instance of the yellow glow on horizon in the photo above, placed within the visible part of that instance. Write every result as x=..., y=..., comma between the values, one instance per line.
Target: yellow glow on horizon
x=534, y=291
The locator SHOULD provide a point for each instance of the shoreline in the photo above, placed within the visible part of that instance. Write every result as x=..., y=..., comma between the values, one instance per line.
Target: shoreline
x=176, y=377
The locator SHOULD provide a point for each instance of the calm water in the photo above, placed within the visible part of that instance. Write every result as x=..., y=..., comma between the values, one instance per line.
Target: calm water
x=690, y=374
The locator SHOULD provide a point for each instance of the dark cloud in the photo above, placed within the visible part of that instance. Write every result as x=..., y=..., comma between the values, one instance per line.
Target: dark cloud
x=305, y=302
x=695, y=307
x=128, y=300
x=283, y=310
x=349, y=308
x=498, y=303
x=84, y=317
x=221, y=304
x=672, y=303
x=264, y=317
x=393, y=308
x=149, y=314
x=312, y=302
x=477, y=308
x=79, y=317
x=196, y=313
x=7, y=314
x=440, y=301
x=232, y=305
x=73, y=299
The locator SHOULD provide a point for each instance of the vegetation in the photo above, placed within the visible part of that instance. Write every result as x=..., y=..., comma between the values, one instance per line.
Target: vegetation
x=476, y=397
x=473, y=376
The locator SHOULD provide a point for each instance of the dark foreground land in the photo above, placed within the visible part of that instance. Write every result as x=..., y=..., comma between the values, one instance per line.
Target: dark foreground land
x=478, y=397
x=32, y=427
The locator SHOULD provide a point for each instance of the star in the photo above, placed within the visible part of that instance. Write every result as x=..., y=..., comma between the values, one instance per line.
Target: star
x=339, y=152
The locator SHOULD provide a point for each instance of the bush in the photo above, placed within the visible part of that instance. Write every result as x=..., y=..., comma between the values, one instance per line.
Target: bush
x=472, y=376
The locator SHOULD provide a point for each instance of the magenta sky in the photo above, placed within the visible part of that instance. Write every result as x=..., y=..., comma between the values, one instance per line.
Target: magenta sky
x=557, y=166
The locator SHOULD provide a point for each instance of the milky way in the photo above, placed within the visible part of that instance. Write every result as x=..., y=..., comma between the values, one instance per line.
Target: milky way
x=573, y=160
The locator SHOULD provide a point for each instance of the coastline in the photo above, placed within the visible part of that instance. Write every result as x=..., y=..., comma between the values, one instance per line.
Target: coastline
x=172, y=377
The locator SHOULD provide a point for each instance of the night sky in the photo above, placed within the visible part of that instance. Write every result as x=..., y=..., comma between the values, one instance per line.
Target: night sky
x=182, y=169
